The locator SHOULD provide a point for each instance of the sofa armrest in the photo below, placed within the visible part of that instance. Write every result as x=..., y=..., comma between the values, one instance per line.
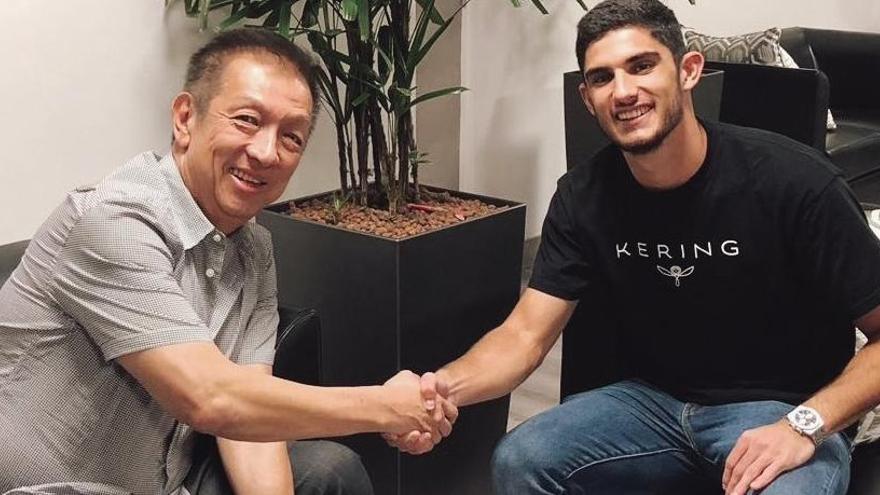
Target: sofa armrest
x=792, y=102
x=10, y=256
x=851, y=60
x=298, y=346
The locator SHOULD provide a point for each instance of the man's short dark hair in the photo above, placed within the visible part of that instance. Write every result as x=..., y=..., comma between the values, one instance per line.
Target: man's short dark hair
x=206, y=65
x=615, y=14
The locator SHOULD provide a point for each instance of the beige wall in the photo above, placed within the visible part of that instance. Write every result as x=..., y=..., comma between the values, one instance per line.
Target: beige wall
x=512, y=141
x=85, y=85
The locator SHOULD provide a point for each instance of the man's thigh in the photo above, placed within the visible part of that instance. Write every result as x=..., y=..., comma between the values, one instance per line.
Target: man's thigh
x=319, y=467
x=623, y=438
x=716, y=429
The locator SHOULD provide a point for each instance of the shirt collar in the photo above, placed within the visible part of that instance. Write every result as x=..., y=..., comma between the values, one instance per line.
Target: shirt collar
x=192, y=224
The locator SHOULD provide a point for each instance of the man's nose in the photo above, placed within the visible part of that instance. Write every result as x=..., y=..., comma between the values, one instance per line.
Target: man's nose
x=264, y=147
x=625, y=89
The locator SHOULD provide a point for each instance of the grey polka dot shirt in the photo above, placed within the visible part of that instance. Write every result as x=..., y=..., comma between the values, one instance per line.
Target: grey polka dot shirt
x=128, y=265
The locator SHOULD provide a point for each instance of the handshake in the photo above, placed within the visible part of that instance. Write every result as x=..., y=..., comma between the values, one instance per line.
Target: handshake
x=422, y=412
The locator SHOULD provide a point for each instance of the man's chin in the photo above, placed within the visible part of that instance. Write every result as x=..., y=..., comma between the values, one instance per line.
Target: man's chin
x=641, y=147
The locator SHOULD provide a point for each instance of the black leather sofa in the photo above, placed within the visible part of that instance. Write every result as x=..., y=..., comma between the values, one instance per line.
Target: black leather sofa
x=839, y=71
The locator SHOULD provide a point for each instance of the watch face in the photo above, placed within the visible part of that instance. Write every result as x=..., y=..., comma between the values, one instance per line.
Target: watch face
x=807, y=419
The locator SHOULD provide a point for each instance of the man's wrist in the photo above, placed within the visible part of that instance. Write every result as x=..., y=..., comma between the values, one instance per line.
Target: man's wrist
x=445, y=377
x=808, y=423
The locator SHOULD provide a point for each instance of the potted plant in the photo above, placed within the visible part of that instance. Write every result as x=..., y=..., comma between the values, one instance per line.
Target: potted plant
x=399, y=295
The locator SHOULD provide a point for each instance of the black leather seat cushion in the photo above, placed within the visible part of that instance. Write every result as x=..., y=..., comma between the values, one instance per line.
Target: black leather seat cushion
x=855, y=145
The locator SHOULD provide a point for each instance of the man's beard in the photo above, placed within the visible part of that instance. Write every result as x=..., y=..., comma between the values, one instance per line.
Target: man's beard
x=672, y=119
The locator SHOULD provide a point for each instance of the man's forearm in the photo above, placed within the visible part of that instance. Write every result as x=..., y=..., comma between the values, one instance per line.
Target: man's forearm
x=257, y=468
x=853, y=393
x=201, y=387
x=494, y=366
x=254, y=407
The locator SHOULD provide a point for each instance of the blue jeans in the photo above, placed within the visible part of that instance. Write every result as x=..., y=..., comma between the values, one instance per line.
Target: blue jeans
x=630, y=438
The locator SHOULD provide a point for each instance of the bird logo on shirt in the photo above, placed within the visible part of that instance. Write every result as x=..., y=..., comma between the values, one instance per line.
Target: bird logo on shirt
x=676, y=272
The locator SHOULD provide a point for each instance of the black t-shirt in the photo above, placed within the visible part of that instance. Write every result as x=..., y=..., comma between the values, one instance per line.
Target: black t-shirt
x=741, y=284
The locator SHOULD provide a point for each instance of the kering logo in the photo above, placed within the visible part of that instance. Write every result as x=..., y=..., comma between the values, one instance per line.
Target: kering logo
x=681, y=251
x=676, y=272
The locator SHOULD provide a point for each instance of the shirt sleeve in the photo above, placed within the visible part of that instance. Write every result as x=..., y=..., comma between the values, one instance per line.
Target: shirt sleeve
x=114, y=276
x=561, y=268
x=262, y=326
x=837, y=252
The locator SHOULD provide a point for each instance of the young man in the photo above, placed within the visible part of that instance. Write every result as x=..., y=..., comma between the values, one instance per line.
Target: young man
x=145, y=310
x=737, y=263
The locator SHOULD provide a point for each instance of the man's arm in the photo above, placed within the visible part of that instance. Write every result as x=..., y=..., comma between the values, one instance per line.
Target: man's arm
x=199, y=386
x=507, y=355
x=496, y=364
x=762, y=454
x=257, y=468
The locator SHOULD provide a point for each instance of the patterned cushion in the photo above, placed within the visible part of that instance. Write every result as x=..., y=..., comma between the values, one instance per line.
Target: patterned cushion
x=753, y=48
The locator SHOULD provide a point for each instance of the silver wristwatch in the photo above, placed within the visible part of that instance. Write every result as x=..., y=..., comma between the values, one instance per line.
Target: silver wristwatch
x=807, y=421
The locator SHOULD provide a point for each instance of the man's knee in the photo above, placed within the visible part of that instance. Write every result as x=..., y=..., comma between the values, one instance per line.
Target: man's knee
x=328, y=468
x=518, y=463
x=827, y=473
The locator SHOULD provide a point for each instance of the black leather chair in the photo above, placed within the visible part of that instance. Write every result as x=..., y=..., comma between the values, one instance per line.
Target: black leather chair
x=839, y=71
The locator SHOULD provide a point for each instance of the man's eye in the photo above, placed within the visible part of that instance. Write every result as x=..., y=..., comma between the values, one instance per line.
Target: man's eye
x=247, y=119
x=294, y=139
x=643, y=67
x=598, y=79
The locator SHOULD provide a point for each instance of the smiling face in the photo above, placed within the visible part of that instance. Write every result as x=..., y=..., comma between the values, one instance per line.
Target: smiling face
x=238, y=155
x=633, y=86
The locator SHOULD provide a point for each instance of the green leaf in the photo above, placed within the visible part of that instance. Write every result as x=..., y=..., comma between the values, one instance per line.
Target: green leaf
x=516, y=3
x=364, y=19
x=237, y=17
x=433, y=13
x=418, y=51
x=404, y=91
x=437, y=94
x=384, y=46
x=310, y=13
x=284, y=18
x=360, y=99
x=350, y=9
x=271, y=20
x=540, y=6
x=203, y=15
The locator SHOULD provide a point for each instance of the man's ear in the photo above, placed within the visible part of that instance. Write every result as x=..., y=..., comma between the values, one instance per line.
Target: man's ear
x=183, y=112
x=691, y=69
x=582, y=88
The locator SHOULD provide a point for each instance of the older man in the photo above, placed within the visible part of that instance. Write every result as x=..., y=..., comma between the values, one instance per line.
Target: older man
x=145, y=310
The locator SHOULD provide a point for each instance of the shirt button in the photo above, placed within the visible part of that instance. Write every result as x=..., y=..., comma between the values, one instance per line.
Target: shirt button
x=210, y=273
x=218, y=237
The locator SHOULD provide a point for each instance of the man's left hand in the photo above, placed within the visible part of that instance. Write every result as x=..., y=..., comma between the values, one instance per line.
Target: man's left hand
x=762, y=454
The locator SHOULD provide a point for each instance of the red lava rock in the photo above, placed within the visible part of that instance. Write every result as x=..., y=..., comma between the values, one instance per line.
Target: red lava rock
x=430, y=214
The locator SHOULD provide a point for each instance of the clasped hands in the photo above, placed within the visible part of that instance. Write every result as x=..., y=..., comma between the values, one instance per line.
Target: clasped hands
x=425, y=413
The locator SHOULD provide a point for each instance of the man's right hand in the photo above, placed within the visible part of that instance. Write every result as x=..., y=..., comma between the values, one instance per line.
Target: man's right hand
x=434, y=394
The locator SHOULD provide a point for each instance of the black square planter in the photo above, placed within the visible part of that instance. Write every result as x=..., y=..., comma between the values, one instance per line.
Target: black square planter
x=416, y=303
